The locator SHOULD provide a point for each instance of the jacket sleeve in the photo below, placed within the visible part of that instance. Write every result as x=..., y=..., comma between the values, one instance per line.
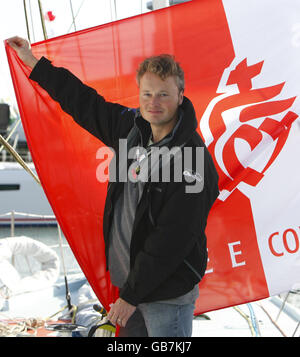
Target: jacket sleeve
x=180, y=223
x=107, y=121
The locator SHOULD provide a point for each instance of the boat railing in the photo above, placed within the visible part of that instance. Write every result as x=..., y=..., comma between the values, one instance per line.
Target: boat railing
x=12, y=214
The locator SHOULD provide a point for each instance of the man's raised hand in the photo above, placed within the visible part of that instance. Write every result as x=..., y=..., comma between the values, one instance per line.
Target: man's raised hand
x=21, y=46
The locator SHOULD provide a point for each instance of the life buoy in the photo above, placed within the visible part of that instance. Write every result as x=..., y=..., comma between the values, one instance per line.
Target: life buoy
x=10, y=277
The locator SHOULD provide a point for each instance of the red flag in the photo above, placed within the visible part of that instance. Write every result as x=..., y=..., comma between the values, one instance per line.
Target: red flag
x=49, y=16
x=246, y=118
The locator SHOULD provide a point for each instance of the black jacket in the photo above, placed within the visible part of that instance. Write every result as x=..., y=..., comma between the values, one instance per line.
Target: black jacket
x=168, y=253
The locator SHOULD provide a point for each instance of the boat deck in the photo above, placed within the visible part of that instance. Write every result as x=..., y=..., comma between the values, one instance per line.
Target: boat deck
x=237, y=322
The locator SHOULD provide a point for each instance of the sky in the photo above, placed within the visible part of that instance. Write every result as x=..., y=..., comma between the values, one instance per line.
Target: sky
x=89, y=13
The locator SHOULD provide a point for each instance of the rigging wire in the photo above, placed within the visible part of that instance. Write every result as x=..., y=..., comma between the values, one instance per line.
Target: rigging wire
x=113, y=14
x=294, y=333
x=68, y=295
x=74, y=17
x=72, y=12
x=115, y=5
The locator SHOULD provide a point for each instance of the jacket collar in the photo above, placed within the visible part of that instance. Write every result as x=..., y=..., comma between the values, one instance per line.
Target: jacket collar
x=180, y=134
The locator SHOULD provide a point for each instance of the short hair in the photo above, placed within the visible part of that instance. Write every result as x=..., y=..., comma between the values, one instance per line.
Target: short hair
x=164, y=66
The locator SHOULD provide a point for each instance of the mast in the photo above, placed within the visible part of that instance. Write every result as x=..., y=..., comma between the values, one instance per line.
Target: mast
x=42, y=20
x=26, y=19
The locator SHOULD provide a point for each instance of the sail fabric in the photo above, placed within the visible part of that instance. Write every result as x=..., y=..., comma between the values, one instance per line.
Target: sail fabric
x=242, y=75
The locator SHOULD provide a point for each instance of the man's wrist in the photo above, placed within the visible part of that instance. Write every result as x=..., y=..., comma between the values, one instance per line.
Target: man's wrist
x=32, y=62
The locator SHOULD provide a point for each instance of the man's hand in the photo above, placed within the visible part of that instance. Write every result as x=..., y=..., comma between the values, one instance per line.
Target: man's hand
x=120, y=312
x=21, y=46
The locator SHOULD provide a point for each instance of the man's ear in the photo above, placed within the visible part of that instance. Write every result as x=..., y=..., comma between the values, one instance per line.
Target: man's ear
x=180, y=97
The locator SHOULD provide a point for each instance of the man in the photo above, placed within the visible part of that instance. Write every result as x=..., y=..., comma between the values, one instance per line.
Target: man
x=153, y=229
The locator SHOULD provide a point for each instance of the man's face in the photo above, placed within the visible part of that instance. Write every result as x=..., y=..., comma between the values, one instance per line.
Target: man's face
x=159, y=99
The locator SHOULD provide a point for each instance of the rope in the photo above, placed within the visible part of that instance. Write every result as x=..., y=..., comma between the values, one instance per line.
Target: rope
x=6, y=330
x=20, y=327
x=273, y=322
x=56, y=313
x=246, y=317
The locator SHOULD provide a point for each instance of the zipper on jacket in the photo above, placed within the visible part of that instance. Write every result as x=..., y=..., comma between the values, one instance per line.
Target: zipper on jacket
x=151, y=216
x=192, y=269
x=150, y=206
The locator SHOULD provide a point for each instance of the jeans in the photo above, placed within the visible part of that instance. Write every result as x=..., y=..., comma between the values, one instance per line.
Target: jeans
x=160, y=320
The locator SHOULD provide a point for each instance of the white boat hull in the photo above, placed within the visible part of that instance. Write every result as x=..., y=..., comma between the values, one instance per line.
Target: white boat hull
x=19, y=192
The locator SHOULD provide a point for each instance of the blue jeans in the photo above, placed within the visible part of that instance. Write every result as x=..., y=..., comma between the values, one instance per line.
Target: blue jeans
x=160, y=320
